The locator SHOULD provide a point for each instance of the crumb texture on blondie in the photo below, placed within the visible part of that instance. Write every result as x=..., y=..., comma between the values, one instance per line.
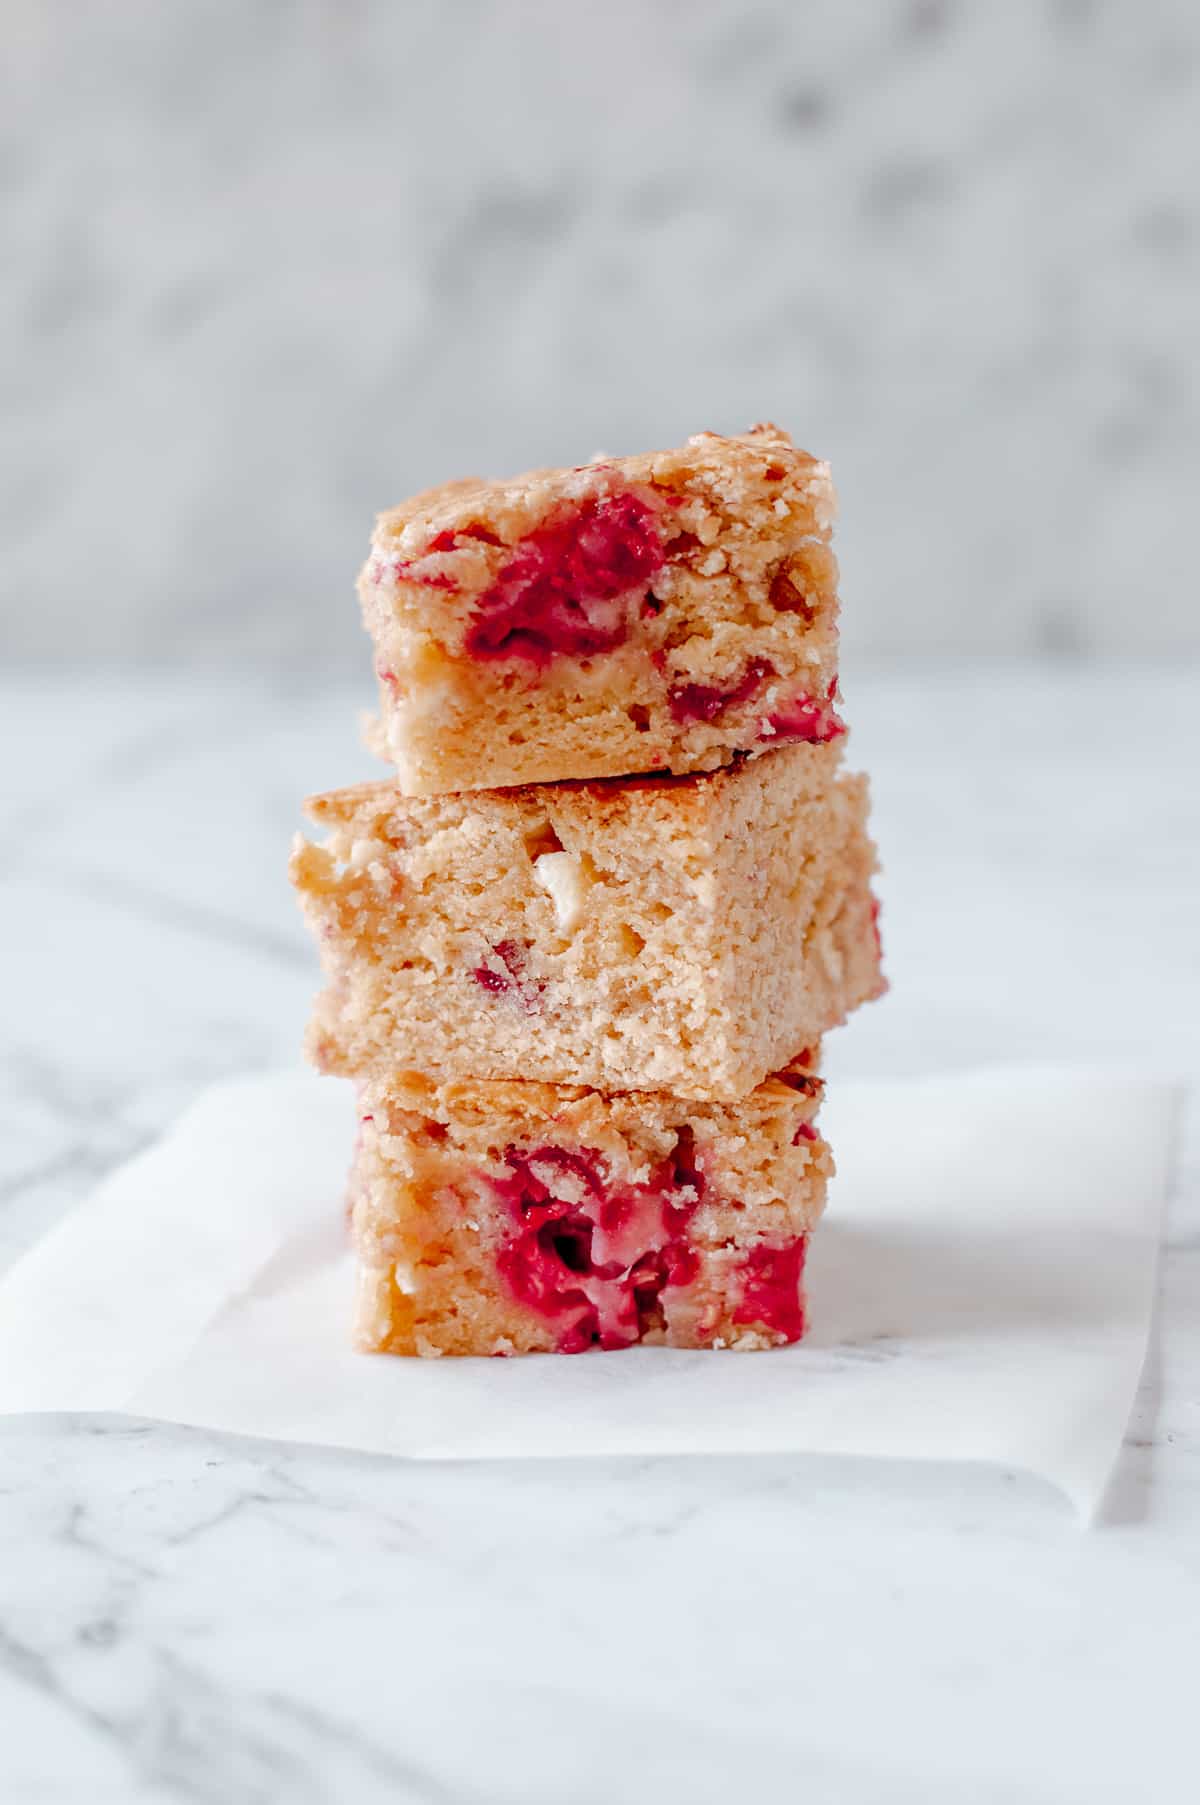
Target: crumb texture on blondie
x=518, y=1218
x=659, y=611
x=686, y=934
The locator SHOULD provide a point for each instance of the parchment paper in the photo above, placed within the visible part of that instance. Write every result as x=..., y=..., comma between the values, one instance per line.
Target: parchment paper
x=981, y=1289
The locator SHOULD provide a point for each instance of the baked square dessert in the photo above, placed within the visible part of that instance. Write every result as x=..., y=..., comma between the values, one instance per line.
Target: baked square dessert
x=524, y=1218
x=685, y=934
x=659, y=612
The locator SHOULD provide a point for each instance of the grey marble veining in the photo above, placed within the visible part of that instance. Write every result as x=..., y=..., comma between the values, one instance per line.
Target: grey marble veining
x=189, y=1617
x=270, y=268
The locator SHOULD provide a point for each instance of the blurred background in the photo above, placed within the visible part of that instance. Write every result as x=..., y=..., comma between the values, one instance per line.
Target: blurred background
x=270, y=267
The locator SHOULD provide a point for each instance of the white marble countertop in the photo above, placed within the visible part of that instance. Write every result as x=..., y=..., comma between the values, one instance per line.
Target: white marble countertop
x=187, y=1617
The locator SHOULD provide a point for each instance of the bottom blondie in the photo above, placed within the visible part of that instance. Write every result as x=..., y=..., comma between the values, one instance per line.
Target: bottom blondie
x=517, y=1217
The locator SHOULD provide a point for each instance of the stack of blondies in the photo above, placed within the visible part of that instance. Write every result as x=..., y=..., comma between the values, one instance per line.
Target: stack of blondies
x=582, y=947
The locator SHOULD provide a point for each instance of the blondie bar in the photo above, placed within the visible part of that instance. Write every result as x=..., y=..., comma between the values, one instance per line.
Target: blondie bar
x=686, y=934
x=522, y=1218
x=658, y=612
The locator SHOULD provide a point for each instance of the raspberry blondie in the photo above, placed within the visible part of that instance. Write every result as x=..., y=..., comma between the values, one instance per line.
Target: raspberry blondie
x=658, y=612
x=686, y=934
x=523, y=1218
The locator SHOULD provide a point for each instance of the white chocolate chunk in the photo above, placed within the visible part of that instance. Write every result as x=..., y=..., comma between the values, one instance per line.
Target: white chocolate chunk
x=563, y=879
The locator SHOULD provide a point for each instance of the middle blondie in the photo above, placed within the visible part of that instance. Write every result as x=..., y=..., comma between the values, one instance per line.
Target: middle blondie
x=685, y=934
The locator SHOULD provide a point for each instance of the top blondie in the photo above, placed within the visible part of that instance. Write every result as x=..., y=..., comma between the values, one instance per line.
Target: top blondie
x=665, y=612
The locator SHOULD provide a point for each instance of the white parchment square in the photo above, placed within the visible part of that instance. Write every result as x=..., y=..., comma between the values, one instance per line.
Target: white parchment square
x=981, y=1289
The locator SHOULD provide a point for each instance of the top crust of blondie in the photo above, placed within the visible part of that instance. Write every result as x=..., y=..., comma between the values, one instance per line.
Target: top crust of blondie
x=501, y=1107
x=755, y=472
x=675, y=803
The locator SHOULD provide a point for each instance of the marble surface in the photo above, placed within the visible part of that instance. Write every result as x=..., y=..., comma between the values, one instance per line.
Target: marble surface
x=271, y=268
x=189, y=1617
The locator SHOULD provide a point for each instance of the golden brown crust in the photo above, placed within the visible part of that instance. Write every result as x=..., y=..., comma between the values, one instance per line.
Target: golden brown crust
x=512, y=506
x=671, y=796
x=509, y=1105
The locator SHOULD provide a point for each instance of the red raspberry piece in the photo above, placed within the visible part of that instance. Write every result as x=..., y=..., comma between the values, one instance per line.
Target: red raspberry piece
x=550, y=1264
x=806, y=718
x=705, y=701
x=771, y=1288
x=513, y=956
x=573, y=586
